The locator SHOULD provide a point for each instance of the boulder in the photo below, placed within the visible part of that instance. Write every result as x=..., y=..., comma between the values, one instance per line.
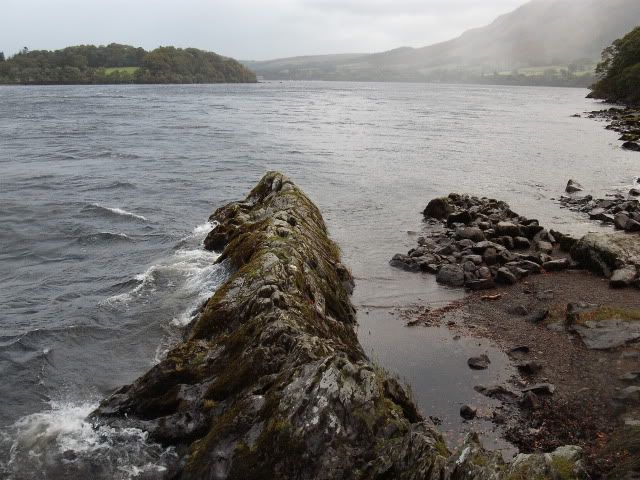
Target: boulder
x=544, y=247
x=480, y=362
x=608, y=334
x=508, y=229
x=451, y=275
x=469, y=233
x=573, y=187
x=603, y=253
x=463, y=217
x=620, y=220
x=633, y=146
x=521, y=243
x=405, y=262
x=438, y=208
x=505, y=276
x=632, y=225
x=556, y=265
x=468, y=412
x=628, y=396
x=623, y=277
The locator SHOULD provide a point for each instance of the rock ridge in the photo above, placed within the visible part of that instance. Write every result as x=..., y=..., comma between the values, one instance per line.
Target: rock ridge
x=270, y=381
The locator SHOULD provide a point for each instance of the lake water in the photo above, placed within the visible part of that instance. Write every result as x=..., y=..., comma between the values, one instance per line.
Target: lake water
x=104, y=195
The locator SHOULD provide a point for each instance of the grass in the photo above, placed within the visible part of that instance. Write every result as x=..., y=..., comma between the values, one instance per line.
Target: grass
x=129, y=70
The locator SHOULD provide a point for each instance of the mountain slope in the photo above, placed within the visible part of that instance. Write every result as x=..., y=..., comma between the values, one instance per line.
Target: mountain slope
x=540, y=33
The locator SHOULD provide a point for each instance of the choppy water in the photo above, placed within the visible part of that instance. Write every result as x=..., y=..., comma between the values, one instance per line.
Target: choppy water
x=103, y=195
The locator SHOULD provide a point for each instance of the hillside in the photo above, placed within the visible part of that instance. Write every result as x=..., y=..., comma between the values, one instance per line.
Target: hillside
x=556, y=40
x=114, y=63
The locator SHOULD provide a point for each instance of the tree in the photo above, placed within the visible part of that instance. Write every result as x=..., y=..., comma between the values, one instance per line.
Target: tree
x=619, y=70
x=1, y=56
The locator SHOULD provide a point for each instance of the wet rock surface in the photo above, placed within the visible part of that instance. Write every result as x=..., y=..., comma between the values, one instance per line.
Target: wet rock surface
x=481, y=243
x=271, y=381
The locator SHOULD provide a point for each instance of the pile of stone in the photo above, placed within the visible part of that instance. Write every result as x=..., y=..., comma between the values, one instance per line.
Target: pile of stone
x=483, y=243
x=619, y=210
x=625, y=121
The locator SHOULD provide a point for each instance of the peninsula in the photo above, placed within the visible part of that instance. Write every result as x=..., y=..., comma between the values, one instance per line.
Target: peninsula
x=115, y=64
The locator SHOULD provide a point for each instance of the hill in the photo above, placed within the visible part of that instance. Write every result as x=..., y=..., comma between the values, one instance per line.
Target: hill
x=114, y=63
x=544, y=40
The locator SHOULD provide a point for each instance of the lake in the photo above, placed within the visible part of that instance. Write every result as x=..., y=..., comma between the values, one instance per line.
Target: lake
x=105, y=193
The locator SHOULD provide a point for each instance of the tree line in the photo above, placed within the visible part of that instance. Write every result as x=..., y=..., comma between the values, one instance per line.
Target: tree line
x=619, y=71
x=115, y=63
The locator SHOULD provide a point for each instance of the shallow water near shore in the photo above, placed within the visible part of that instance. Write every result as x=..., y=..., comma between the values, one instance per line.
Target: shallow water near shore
x=106, y=190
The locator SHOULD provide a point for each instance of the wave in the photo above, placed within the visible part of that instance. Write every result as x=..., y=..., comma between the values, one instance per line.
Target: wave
x=115, y=211
x=63, y=442
x=104, y=237
x=112, y=186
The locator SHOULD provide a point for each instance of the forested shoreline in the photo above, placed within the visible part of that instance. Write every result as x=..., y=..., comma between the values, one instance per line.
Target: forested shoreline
x=117, y=64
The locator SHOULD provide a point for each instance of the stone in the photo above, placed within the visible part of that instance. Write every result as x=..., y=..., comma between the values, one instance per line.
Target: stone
x=482, y=247
x=543, y=246
x=480, y=362
x=463, y=217
x=405, y=262
x=628, y=396
x=634, y=192
x=480, y=284
x=451, y=275
x=573, y=187
x=470, y=233
x=438, y=208
x=604, y=252
x=632, y=146
x=508, y=229
x=632, y=226
x=557, y=265
x=468, y=413
x=498, y=392
x=539, y=315
x=529, y=401
x=620, y=220
x=531, y=267
x=505, y=276
x=623, y=277
x=529, y=368
x=630, y=377
x=607, y=334
x=521, y=243
x=541, y=389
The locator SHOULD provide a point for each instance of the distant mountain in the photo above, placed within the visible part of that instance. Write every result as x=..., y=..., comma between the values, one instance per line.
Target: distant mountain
x=537, y=39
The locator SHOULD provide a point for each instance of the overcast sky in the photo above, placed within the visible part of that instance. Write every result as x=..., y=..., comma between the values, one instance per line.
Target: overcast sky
x=244, y=29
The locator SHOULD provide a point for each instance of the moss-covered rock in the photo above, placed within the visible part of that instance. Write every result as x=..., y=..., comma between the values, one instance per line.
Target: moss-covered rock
x=271, y=382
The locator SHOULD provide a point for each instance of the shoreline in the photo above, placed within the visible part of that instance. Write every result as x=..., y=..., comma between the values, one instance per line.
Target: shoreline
x=573, y=386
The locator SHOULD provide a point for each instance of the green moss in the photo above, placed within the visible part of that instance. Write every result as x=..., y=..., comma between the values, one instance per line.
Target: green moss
x=442, y=449
x=563, y=468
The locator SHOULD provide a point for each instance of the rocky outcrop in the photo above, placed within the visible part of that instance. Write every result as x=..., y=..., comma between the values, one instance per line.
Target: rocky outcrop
x=613, y=255
x=484, y=243
x=271, y=382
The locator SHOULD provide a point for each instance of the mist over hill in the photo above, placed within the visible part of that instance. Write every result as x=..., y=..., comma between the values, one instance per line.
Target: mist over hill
x=543, y=41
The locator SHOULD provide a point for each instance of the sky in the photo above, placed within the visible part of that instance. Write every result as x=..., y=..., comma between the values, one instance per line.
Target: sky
x=244, y=29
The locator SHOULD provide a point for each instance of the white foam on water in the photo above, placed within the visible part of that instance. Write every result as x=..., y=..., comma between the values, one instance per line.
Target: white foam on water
x=62, y=441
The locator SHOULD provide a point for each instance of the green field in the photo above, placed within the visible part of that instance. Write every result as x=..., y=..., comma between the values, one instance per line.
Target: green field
x=129, y=70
